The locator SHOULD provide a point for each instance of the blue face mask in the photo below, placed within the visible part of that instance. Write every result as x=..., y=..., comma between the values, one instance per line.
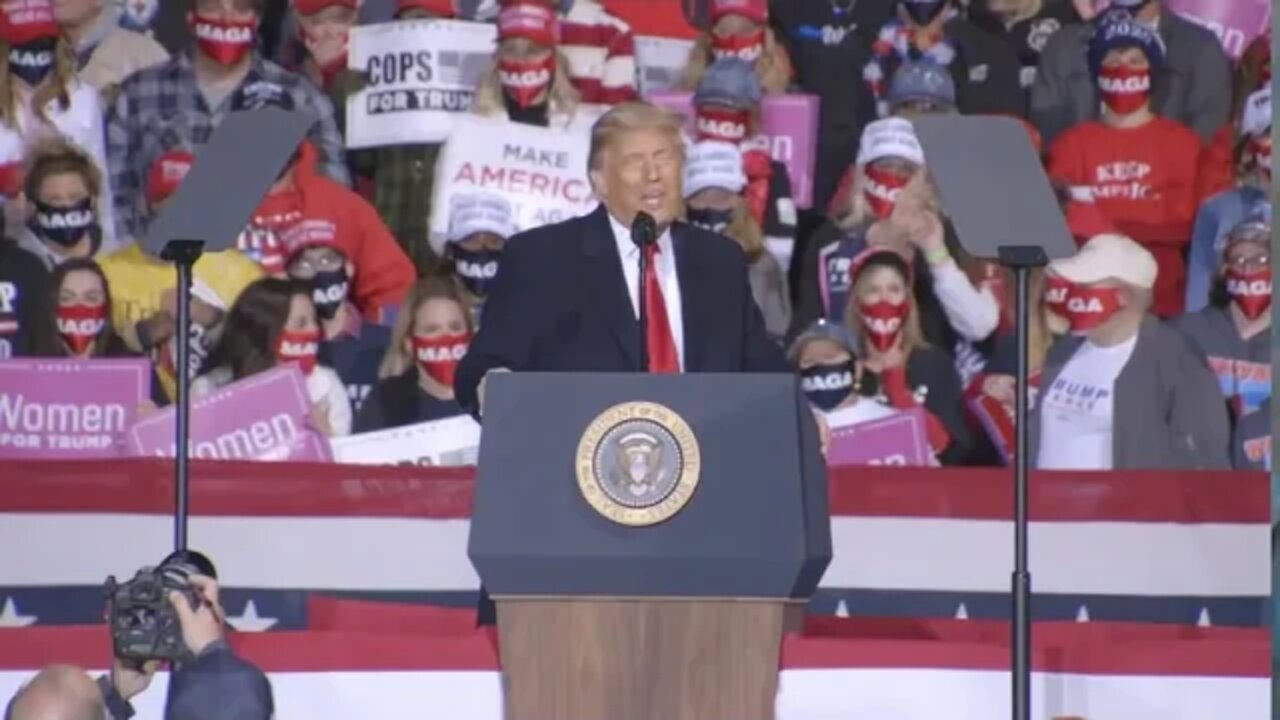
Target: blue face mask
x=827, y=386
x=64, y=226
x=476, y=268
x=923, y=12
x=329, y=290
x=717, y=221
x=33, y=61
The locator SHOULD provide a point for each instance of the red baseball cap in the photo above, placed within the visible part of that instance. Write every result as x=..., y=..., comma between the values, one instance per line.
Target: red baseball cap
x=309, y=233
x=528, y=19
x=167, y=173
x=22, y=21
x=439, y=8
x=311, y=7
x=756, y=11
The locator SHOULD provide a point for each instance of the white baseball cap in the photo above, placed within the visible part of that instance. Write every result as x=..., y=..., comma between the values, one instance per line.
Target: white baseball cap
x=890, y=137
x=713, y=164
x=1257, y=113
x=473, y=213
x=1106, y=257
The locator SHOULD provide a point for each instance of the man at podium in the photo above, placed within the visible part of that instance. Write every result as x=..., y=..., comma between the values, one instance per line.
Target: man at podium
x=569, y=297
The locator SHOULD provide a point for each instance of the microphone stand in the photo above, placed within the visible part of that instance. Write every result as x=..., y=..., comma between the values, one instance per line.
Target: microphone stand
x=642, y=234
x=183, y=254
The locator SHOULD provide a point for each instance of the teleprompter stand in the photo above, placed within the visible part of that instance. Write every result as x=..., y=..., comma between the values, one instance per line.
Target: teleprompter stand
x=993, y=187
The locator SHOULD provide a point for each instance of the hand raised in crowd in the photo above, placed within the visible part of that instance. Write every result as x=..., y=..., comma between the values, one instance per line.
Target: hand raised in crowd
x=130, y=679
x=1000, y=387
x=203, y=625
x=319, y=418
x=916, y=217
x=202, y=313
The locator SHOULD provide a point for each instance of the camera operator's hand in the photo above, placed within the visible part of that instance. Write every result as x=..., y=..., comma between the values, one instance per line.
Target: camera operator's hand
x=130, y=679
x=202, y=626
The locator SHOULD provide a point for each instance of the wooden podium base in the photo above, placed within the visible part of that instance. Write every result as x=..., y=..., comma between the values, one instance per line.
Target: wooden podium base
x=642, y=659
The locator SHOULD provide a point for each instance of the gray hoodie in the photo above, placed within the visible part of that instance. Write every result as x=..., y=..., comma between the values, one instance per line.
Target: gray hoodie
x=1169, y=412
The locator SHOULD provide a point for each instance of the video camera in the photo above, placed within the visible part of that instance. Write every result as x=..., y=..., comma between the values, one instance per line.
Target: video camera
x=144, y=625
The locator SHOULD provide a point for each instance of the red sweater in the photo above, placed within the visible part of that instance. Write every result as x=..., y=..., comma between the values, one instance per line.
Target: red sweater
x=1145, y=181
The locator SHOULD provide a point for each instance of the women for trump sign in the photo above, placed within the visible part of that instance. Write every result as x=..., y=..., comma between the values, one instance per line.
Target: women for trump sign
x=542, y=172
x=69, y=409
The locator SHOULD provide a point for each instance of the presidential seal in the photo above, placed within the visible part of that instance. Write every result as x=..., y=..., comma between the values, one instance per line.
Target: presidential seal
x=638, y=463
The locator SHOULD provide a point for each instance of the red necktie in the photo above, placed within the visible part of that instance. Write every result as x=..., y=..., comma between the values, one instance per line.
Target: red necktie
x=658, y=340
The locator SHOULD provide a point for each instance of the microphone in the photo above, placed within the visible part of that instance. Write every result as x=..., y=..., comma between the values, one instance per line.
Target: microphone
x=644, y=232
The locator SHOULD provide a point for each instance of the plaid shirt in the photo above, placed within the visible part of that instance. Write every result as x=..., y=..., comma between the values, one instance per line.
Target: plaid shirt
x=154, y=103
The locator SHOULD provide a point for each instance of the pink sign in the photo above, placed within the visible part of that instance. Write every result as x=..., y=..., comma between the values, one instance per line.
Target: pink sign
x=791, y=125
x=897, y=440
x=1235, y=22
x=262, y=417
x=69, y=409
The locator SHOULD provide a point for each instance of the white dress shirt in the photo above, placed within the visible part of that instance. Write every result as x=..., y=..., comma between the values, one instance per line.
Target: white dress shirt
x=667, y=278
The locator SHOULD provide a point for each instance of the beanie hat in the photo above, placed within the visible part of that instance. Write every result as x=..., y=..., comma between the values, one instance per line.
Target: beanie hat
x=822, y=329
x=167, y=173
x=756, y=11
x=730, y=82
x=890, y=137
x=1255, y=227
x=713, y=164
x=1257, y=113
x=23, y=21
x=922, y=80
x=311, y=7
x=479, y=212
x=1118, y=29
x=441, y=8
x=528, y=19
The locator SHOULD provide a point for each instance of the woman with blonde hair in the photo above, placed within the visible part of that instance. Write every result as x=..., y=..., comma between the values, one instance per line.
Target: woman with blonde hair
x=884, y=317
x=529, y=81
x=740, y=28
x=713, y=185
x=430, y=336
x=41, y=96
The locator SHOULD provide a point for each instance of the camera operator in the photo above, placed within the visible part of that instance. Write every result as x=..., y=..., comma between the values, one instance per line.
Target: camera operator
x=214, y=684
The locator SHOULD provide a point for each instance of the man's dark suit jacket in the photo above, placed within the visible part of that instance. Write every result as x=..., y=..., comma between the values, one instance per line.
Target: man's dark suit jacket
x=560, y=304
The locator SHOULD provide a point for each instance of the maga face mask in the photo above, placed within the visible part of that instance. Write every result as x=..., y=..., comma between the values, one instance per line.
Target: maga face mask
x=713, y=219
x=525, y=80
x=80, y=325
x=476, y=268
x=744, y=47
x=828, y=385
x=33, y=61
x=883, y=322
x=724, y=124
x=300, y=346
x=226, y=42
x=1124, y=89
x=1250, y=290
x=63, y=226
x=1087, y=307
x=882, y=189
x=329, y=290
x=439, y=356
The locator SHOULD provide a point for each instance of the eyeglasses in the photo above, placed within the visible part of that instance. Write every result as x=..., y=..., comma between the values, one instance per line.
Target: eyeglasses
x=319, y=263
x=1249, y=261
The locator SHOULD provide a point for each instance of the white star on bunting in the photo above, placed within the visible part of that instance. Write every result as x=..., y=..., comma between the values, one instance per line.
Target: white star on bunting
x=11, y=618
x=250, y=620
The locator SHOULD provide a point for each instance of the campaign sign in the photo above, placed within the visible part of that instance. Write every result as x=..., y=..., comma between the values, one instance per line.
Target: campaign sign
x=419, y=75
x=1235, y=22
x=262, y=417
x=896, y=440
x=542, y=172
x=450, y=442
x=660, y=62
x=997, y=421
x=790, y=122
x=69, y=409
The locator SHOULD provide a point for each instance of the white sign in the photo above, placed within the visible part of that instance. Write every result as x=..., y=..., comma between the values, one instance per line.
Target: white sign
x=450, y=442
x=660, y=61
x=542, y=172
x=419, y=75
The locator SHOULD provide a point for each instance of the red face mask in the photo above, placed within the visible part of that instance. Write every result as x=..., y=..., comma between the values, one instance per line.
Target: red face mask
x=1250, y=291
x=1055, y=294
x=882, y=190
x=300, y=346
x=722, y=124
x=439, y=356
x=524, y=80
x=1124, y=89
x=224, y=41
x=744, y=47
x=1260, y=147
x=80, y=325
x=1087, y=308
x=883, y=322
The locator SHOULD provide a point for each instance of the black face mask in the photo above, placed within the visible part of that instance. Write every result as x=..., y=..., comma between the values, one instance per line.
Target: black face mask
x=476, y=268
x=827, y=386
x=717, y=221
x=539, y=115
x=923, y=12
x=64, y=226
x=33, y=61
x=328, y=291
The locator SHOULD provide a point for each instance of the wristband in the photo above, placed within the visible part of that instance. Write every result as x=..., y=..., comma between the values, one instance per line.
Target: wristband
x=938, y=256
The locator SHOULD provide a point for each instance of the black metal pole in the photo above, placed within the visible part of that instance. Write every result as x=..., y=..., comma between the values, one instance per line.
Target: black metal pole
x=1021, y=573
x=644, y=315
x=183, y=254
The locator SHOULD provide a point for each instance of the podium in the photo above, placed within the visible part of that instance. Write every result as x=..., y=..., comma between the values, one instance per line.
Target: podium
x=647, y=540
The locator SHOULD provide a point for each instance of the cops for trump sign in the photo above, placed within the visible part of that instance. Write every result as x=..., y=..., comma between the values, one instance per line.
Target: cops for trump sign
x=542, y=172
x=418, y=75
x=76, y=409
x=449, y=442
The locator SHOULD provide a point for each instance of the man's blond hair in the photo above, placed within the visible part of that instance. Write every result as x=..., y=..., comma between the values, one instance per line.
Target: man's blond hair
x=627, y=117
